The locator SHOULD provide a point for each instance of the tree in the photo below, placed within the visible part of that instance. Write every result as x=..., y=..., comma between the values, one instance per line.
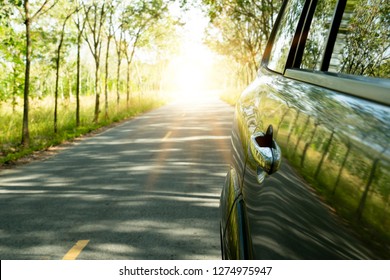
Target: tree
x=11, y=59
x=240, y=29
x=119, y=52
x=29, y=16
x=110, y=34
x=138, y=17
x=27, y=36
x=367, y=45
x=68, y=14
x=95, y=17
x=79, y=21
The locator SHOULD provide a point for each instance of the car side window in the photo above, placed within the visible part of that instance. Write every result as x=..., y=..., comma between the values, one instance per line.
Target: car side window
x=363, y=42
x=318, y=34
x=284, y=35
x=362, y=45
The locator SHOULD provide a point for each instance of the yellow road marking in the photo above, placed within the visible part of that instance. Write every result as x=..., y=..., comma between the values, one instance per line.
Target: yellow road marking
x=75, y=250
x=167, y=135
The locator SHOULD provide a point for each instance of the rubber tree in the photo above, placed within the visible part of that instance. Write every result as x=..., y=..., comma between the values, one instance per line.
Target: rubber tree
x=79, y=21
x=96, y=13
x=68, y=14
x=29, y=13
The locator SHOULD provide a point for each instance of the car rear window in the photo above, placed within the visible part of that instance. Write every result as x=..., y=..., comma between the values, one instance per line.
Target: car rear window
x=362, y=44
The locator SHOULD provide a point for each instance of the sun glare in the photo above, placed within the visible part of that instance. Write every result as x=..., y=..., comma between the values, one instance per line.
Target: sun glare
x=191, y=70
x=190, y=73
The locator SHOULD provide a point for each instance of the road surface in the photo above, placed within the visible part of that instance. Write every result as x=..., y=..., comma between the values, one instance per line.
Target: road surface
x=146, y=189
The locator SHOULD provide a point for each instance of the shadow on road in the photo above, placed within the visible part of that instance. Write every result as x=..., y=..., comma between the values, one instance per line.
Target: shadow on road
x=147, y=189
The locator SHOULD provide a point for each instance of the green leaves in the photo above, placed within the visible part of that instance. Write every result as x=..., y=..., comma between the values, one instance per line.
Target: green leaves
x=239, y=29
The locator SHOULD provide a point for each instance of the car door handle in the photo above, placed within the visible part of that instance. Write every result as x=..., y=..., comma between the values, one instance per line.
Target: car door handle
x=265, y=151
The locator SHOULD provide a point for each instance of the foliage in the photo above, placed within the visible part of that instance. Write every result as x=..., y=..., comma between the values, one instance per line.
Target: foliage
x=44, y=53
x=367, y=44
x=240, y=30
x=42, y=133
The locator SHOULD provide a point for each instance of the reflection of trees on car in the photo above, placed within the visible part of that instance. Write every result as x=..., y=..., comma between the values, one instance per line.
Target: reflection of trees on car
x=344, y=161
x=307, y=144
x=324, y=153
x=293, y=125
x=366, y=44
x=316, y=41
x=367, y=188
x=329, y=157
x=285, y=35
x=301, y=134
x=362, y=46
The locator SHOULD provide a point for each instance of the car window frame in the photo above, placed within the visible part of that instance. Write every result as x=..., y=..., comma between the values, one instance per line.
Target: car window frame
x=370, y=88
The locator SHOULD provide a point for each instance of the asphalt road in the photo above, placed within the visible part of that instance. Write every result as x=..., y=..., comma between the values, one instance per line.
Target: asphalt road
x=149, y=189
x=146, y=189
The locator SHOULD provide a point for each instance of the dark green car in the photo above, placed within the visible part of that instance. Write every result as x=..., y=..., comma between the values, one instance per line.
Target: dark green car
x=317, y=118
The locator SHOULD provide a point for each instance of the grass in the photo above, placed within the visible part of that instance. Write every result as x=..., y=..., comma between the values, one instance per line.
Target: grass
x=41, y=124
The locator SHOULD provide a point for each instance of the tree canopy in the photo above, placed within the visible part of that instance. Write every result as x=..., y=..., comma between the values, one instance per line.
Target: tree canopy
x=42, y=37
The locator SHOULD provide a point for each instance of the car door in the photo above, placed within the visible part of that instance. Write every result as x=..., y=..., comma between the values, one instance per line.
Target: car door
x=331, y=120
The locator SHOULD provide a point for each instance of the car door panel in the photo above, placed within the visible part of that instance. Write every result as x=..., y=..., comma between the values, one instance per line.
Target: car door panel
x=321, y=133
x=332, y=123
x=231, y=206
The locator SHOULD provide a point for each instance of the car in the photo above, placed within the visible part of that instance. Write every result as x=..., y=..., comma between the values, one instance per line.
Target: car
x=309, y=173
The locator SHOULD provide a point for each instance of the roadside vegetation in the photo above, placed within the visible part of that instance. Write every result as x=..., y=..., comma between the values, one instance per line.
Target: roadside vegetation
x=70, y=67
x=41, y=115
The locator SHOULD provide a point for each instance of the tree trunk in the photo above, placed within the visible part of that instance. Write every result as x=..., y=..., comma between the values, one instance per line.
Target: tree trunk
x=118, y=69
x=95, y=45
x=25, y=130
x=58, y=62
x=56, y=89
x=118, y=72
x=14, y=88
x=80, y=28
x=78, y=82
x=97, y=92
x=128, y=85
x=106, y=77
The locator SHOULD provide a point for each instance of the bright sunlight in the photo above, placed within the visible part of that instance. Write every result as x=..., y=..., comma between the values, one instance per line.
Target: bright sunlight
x=190, y=73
